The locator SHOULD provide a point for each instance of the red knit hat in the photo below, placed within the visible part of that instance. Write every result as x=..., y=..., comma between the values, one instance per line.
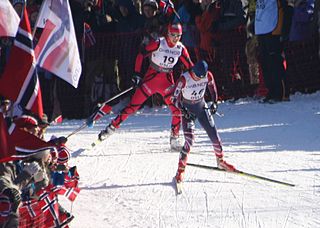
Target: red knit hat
x=25, y=121
x=63, y=155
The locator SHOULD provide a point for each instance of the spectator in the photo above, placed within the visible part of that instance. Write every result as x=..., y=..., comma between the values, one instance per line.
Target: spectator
x=43, y=125
x=187, y=13
x=100, y=15
x=208, y=40
x=269, y=26
x=252, y=48
x=301, y=26
x=5, y=47
x=47, y=160
x=14, y=178
x=18, y=6
x=130, y=20
x=153, y=26
x=33, y=7
x=5, y=105
x=230, y=24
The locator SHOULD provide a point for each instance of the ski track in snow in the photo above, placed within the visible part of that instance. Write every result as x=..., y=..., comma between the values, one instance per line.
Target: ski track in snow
x=126, y=181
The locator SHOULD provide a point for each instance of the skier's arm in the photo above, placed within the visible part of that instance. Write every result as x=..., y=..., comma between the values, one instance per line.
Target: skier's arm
x=212, y=87
x=145, y=52
x=179, y=85
x=185, y=59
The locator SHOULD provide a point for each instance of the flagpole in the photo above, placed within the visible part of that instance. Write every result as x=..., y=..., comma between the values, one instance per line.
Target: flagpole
x=83, y=43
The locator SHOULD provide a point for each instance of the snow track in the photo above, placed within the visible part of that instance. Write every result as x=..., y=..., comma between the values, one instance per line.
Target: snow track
x=127, y=180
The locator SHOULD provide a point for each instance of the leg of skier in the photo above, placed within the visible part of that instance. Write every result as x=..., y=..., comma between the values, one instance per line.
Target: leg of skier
x=188, y=125
x=207, y=122
x=138, y=98
x=175, y=124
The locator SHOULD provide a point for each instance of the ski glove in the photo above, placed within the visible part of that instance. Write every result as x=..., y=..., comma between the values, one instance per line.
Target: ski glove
x=137, y=80
x=59, y=141
x=214, y=108
x=32, y=168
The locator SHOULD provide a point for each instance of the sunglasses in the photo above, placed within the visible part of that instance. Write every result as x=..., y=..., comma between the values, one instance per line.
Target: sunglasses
x=175, y=35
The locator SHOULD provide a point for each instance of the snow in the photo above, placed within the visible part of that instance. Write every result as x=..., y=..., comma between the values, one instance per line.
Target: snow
x=126, y=181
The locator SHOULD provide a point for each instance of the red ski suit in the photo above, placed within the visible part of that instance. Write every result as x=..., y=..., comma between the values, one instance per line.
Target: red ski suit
x=156, y=80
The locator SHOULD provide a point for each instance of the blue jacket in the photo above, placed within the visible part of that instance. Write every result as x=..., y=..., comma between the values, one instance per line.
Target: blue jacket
x=266, y=16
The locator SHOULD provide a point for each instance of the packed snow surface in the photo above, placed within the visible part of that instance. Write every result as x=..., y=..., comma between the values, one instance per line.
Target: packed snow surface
x=126, y=181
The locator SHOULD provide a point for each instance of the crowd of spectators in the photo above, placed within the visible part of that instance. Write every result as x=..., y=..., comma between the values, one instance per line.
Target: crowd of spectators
x=35, y=176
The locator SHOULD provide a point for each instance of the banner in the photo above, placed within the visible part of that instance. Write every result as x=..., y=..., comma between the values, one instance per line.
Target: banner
x=57, y=48
x=19, y=81
x=9, y=19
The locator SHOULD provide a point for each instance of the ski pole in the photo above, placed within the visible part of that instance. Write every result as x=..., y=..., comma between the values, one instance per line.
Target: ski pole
x=242, y=174
x=85, y=124
x=217, y=113
x=118, y=95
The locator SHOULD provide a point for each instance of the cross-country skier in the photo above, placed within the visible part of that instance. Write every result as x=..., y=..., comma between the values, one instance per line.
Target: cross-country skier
x=189, y=96
x=163, y=54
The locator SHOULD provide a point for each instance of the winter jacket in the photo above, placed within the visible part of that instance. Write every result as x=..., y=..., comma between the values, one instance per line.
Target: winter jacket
x=187, y=12
x=269, y=17
x=131, y=23
x=208, y=39
x=9, y=177
x=232, y=15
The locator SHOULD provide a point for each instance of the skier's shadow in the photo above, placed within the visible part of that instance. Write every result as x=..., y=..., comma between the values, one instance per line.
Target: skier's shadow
x=169, y=184
x=78, y=152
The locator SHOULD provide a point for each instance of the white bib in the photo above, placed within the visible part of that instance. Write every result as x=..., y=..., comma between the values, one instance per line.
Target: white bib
x=165, y=56
x=194, y=90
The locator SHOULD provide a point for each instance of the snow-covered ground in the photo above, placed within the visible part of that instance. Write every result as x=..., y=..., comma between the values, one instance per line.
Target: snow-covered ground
x=127, y=180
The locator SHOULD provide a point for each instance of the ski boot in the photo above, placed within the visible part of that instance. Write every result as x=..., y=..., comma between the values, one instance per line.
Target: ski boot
x=110, y=129
x=180, y=172
x=175, y=144
x=222, y=164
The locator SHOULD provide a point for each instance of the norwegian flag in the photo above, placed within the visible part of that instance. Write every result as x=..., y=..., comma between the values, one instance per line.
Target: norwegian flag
x=57, y=120
x=48, y=203
x=166, y=7
x=88, y=38
x=9, y=19
x=19, y=81
x=57, y=48
x=70, y=193
x=100, y=111
x=30, y=207
x=30, y=215
x=25, y=144
x=71, y=179
x=64, y=219
x=6, y=148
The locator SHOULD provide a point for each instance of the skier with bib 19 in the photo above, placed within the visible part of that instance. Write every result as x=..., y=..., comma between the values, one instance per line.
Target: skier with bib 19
x=189, y=96
x=163, y=54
